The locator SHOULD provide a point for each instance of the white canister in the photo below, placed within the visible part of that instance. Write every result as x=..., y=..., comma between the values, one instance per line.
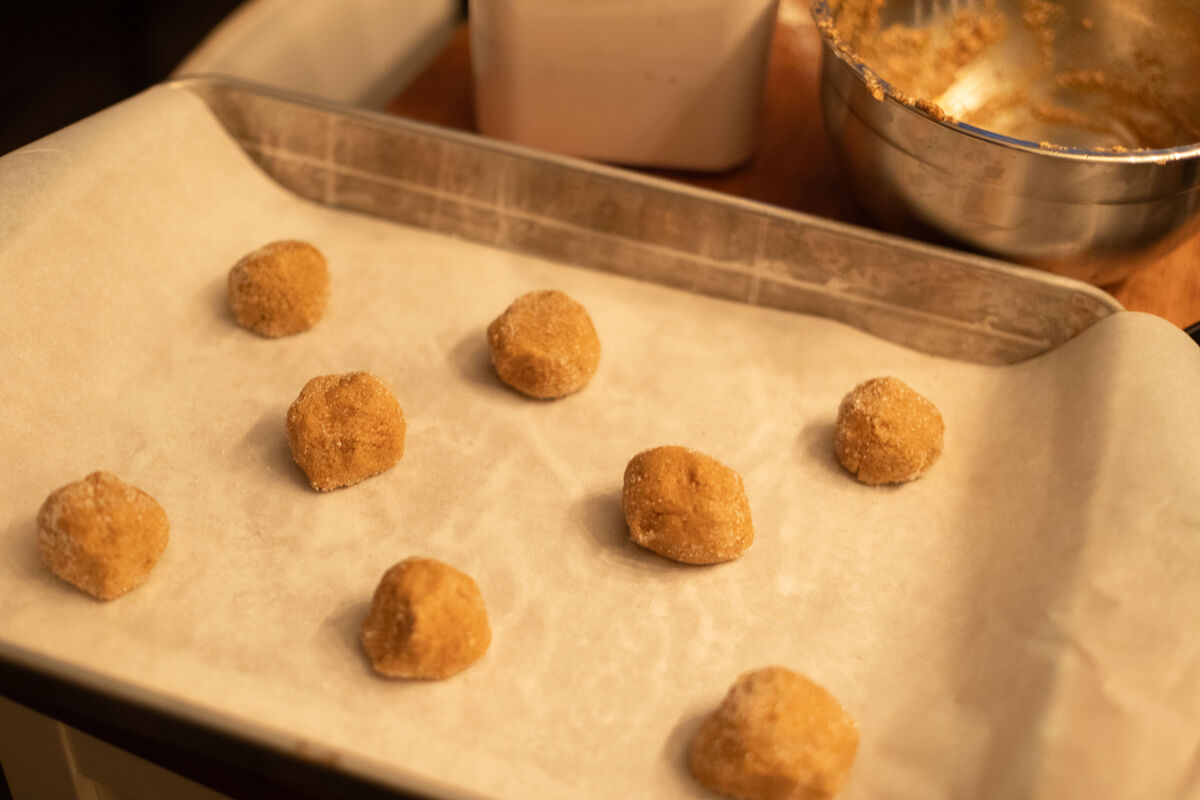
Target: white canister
x=667, y=83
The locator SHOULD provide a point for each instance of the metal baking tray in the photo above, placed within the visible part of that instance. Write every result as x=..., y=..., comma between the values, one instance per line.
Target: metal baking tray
x=931, y=299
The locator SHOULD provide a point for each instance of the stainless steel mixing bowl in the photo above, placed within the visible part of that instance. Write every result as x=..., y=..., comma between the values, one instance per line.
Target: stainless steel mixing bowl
x=1091, y=175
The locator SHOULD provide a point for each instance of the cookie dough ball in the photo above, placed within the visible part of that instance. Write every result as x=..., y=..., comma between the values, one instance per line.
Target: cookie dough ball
x=886, y=432
x=345, y=428
x=101, y=534
x=279, y=289
x=776, y=736
x=427, y=621
x=544, y=345
x=686, y=506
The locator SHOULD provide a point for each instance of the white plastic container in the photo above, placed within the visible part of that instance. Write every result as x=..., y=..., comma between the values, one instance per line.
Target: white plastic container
x=357, y=52
x=668, y=83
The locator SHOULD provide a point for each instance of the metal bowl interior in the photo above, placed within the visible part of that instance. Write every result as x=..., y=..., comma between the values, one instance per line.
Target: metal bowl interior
x=1064, y=135
x=1085, y=74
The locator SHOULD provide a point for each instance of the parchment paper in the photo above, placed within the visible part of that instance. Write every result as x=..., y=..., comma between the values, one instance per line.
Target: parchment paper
x=1021, y=622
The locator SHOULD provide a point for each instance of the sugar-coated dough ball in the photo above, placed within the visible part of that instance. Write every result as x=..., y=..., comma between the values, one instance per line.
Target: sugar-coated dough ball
x=101, y=534
x=427, y=620
x=886, y=432
x=686, y=506
x=345, y=428
x=775, y=736
x=544, y=345
x=280, y=288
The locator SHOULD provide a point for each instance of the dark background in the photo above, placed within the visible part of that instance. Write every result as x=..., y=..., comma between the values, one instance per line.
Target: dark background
x=61, y=61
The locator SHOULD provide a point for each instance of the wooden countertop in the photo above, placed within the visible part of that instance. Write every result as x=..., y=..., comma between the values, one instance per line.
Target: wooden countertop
x=1169, y=287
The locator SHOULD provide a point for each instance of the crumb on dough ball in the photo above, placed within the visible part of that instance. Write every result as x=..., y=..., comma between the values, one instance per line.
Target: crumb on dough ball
x=101, y=534
x=886, y=432
x=544, y=345
x=427, y=620
x=686, y=506
x=280, y=289
x=345, y=428
x=775, y=736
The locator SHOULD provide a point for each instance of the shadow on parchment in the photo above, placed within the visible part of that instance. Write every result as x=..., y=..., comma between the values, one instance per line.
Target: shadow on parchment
x=814, y=445
x=675, y=751
x=471, y=360
x=267, y=442
x=602, y=517
x=343, y=628
x=216, y=294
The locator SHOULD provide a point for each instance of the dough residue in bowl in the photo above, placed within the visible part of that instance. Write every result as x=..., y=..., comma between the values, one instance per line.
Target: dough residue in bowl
x=1027, y=69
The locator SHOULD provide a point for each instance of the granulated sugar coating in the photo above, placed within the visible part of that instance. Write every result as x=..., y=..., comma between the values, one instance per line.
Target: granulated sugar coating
x=345, y=428
x=886, y=432
x=776, y=736
x=279, y=289
x=101, y=534
x=544, y=345
x=686, y=506
x=427, y=620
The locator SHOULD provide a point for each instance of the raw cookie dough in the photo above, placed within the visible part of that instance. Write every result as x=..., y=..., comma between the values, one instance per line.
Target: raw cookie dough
x=279, y=289
x=544, y=345
x=686, y=506
x=775, y=736
x=345, y=428
x=427, y=620
x=101, y=534
x=886, y=432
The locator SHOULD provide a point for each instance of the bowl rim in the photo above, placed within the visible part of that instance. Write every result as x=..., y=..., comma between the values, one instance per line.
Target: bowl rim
x=822, y=16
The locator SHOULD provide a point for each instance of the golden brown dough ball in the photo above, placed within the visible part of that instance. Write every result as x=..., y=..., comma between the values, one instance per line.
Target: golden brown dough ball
x=686, y=506
x=776, y=736
x=101, y=534
x=345, y=428
x=427, y=620
x=279, y=289
x=544, y=345
x=886, y=432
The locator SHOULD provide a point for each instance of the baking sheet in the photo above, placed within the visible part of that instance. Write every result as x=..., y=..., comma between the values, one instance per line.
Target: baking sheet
x=936, y=300
x=1018, y=623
